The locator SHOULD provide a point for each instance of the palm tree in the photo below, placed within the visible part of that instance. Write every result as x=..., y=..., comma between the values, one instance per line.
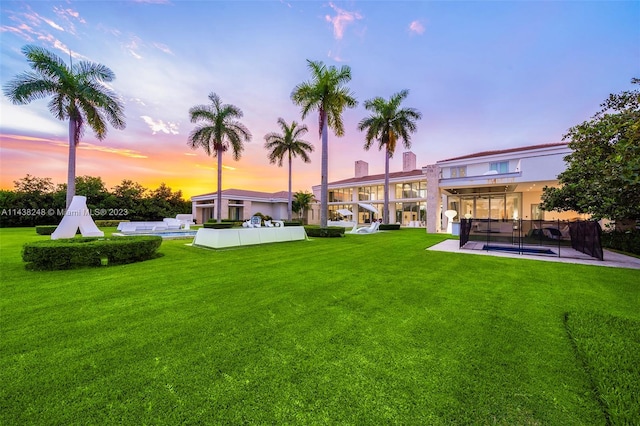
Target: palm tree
x=302, y=201
x=326, y=93
x=289, y=144
x=219, y=132
x=79, y=94
x=386, y=124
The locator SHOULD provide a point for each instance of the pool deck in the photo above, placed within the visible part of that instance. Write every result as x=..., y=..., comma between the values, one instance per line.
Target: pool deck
x=569, y=255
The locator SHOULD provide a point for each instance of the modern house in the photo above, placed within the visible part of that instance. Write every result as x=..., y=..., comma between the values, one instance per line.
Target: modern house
x=407, y=195
x=238, y=204
x=503, y=185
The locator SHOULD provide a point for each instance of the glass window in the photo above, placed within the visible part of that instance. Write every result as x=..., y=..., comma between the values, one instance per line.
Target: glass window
x=422, y=190
x=500, y=166
x=458, y=171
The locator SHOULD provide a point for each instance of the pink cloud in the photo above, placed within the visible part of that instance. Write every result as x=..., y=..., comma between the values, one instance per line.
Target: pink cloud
x=416, y=27
x=341, y=20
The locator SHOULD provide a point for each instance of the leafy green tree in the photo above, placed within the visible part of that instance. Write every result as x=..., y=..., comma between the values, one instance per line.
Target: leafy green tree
x=388, y=123
x=78, y=95
x=166, y=203
x=128, y=197
x=29, y=204
x=301, y=202
x=288, y=144
x=34, y=185
x=326, y=93
x=602, y=177
x=218, y=132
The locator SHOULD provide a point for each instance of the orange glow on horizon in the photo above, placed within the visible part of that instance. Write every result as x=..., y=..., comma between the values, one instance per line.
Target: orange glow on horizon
x=193, y=173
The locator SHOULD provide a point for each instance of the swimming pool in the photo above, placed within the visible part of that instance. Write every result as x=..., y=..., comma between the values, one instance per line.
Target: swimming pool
x=523, y=250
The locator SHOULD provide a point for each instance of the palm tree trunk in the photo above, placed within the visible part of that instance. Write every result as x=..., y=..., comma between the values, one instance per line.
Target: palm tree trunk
x=290, y=203
x=385, y=210
x=324, y=181
x=71, y=169
x=219, y=197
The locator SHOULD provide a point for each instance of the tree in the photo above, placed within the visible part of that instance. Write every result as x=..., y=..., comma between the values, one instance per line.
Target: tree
x=302, y=201
x=79, y=94
x=129, y=196
x=386, y=124
x=33, y=198
x=603, y=171
x=219, y=132
x=288, y=144
x=326, y=93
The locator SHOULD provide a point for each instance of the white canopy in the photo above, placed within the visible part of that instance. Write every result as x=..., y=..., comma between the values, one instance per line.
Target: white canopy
x=368, y=207
x=345, y=212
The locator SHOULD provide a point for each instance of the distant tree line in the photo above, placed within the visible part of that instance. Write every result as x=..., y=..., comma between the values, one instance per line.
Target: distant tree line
x=38, y=201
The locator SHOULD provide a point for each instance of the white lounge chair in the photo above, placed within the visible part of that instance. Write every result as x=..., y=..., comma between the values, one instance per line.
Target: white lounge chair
x=366, y=229
x=186, y=219
x=172, y=223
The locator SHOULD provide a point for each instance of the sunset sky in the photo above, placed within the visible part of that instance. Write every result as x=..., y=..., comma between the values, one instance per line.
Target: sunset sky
x=485, y=75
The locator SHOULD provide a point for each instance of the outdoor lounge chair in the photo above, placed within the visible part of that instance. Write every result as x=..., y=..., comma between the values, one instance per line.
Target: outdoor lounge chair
x=366, y=229
x=172, y=223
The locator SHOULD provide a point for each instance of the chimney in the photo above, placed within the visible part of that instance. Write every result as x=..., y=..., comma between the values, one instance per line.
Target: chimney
x=408, y=161
x=362, y=168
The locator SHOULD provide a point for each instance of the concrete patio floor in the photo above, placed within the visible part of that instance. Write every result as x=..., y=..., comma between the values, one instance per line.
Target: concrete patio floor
x=569, y=255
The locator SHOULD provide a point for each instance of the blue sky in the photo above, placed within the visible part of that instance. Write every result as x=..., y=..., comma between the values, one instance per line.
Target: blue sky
x=485, y=75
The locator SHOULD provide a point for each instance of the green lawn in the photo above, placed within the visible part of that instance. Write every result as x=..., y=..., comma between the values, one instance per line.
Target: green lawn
x=366, y=329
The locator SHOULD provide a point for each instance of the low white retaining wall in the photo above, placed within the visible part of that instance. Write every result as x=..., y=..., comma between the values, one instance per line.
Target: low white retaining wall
x=220, y=238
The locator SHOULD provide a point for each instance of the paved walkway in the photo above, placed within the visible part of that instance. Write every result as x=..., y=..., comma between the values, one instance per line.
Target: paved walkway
x=569, y=255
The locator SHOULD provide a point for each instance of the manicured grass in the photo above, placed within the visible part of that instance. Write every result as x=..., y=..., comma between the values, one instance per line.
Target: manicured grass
x=366, y=329
x=609, y=348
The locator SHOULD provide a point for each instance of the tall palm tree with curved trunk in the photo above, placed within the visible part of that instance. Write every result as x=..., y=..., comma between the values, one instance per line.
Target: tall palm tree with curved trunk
x=79, y=94
x=290, y=145
x=326, y=93
x=218, y=132
x=388, y=123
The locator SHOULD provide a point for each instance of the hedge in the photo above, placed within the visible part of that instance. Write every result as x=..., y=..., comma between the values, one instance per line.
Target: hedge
x=329, y=232
x=627, y=241
x=108, y=222
x=389, y=227
x=222, y=225
x=71, y=253
x=49, y=229
x=45, y=229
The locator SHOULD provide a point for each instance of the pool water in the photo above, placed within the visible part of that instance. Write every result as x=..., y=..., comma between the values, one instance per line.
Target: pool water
x=524, y=250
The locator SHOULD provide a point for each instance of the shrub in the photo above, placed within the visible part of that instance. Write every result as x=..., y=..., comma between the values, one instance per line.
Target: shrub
x=109, y=222
x=49, y=229
x=389, y=227
x=45, y=229
x=329, y=232
x=86, y=251
x=627, y=241
x=292, y=223
x=221, y=225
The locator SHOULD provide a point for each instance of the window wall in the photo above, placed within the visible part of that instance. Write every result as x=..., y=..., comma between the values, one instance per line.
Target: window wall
x=371, y=193
x=411, y=212
x=333, y=211
x=411, y=190
x=340, y=195
x=487, y=206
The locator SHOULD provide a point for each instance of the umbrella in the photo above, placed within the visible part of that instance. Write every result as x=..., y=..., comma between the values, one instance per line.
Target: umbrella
x=345, y=212
x=368, y=207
